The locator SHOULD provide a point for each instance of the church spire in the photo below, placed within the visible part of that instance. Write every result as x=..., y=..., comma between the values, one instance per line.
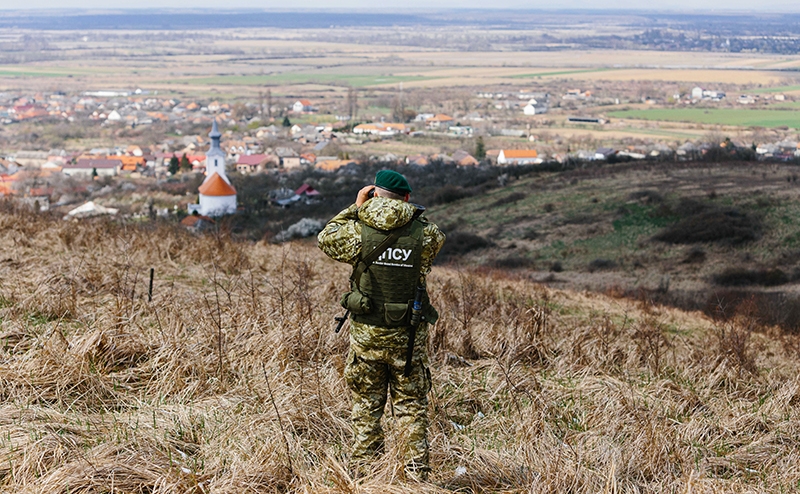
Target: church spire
x=214, y=135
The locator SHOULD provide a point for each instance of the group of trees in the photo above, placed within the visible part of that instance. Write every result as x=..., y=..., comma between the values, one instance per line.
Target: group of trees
x=176, y=164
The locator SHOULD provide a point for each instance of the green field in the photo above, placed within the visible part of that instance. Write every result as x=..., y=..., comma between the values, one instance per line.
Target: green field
x=787, y=105
x=722, y=116
x=779, y=89
x=562, y=72
x=301, y=78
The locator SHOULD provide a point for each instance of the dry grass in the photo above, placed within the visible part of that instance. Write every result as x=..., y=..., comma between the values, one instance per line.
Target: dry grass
x=230, y=379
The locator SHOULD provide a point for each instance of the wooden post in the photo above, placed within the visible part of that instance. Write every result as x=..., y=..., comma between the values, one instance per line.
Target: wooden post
x=150, y=291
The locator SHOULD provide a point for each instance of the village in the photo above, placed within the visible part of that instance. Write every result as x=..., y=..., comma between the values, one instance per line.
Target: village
x=193, y=137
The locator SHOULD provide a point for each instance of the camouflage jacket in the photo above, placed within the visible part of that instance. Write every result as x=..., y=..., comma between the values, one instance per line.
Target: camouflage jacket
x=341, y=241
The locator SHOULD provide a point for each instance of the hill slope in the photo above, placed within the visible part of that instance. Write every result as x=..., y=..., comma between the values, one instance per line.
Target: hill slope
x=686, y=232
x=230, y=379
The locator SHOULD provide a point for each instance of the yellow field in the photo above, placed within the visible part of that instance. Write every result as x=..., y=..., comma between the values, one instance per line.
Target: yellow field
x=601, y=58
x=694, y=76
x=242, y=63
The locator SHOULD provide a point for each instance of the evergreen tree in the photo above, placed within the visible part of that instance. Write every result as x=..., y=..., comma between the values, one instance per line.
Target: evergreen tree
x=174, y=165
x=185, y=165
x=480, y=149
x=94, y=172
x=286, y=122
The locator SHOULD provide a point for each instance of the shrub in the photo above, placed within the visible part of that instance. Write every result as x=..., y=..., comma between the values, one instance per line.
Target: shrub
x=743, y=277
x=725, y=225
x=513, y=262
x=647, y=196
x=580, y=219
x=601, y=264
x=449, y=193
x=509, y=199
x=695, y=255
x=531, y=234
x=460, y=243
x=303, y=228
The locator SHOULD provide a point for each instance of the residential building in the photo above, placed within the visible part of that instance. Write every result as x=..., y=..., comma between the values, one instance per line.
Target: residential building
x=380, y=128
x=463, y=158
x=699, y=93
x=439, y=121
x=518, y=157
x=534, y=107
x=303, y=106
x=289, y=158
x=332, y=165
x=460, y=130
x=88, y=167
x=196, y=223
x=418, y=160
x=253, y=163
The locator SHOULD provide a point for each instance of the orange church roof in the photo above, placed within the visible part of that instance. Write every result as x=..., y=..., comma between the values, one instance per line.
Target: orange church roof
x=216, y=186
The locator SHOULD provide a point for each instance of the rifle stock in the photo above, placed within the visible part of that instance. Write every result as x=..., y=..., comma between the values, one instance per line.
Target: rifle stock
x=341, y=320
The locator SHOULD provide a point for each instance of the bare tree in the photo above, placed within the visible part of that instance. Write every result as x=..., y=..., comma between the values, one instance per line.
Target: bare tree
x=352, y=102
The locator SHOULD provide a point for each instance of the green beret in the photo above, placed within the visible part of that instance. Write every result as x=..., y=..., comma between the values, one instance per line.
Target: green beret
x=392, y=181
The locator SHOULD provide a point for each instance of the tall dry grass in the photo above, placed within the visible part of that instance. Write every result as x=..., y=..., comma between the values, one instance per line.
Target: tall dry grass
x=230, y=380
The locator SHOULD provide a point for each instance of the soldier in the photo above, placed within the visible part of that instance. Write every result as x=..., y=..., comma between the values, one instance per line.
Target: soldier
x=383, y=289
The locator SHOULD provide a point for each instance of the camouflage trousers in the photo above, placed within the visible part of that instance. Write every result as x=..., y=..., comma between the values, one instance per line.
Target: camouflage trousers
x=369, y=374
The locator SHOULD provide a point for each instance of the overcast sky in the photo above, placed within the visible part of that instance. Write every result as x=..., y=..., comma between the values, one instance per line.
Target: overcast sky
x=372, y=6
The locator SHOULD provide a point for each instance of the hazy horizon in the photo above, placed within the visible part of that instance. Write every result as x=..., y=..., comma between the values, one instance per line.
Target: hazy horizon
x=410, y=6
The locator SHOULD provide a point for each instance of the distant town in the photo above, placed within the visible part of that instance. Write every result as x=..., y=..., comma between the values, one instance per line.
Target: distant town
x=266, y=136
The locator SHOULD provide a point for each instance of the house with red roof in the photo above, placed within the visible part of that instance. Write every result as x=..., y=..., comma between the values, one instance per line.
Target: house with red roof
x=303, y=106
x=254, y=163
x=382, y=129
x=518, y=157
x=7, y=184
x=308, y=158
x=196, y=223
x=439, y=121
x=307, y=190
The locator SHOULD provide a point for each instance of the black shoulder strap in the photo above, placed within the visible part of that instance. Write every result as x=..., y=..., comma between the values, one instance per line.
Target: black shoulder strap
x=368, y=259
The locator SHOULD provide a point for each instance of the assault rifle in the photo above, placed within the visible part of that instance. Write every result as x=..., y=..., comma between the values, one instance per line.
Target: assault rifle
x=416, y=319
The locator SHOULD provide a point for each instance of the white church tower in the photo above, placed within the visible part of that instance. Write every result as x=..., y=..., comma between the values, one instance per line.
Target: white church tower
x=217, y=196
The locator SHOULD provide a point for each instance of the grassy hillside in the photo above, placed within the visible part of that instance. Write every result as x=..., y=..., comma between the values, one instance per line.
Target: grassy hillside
x=671, y=227
x=230, y=379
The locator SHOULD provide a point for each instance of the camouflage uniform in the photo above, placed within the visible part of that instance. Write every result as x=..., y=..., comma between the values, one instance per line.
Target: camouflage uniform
x=376, y=358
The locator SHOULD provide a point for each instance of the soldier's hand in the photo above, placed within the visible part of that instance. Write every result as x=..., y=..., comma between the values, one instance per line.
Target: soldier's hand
x=363, y=195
